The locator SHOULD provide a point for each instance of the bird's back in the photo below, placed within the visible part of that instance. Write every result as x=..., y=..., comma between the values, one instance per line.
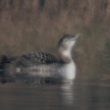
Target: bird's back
x=35, y=59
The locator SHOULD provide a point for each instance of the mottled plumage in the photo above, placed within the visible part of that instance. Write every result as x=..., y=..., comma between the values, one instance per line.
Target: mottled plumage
x=35, y=59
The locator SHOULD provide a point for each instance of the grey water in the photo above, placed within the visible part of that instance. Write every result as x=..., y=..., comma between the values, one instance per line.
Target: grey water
x=78, y=96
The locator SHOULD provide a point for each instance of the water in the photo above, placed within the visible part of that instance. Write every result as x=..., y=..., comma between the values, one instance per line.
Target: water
x=79, y=96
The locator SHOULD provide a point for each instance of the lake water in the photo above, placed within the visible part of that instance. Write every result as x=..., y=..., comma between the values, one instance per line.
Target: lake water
x=79, y=96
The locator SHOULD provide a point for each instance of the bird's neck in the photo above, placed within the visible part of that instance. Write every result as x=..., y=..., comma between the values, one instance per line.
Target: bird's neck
x=66, y=56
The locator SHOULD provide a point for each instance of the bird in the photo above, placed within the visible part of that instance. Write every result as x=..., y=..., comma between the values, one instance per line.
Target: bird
x=45, y=65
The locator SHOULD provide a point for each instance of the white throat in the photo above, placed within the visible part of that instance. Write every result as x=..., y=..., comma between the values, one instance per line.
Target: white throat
x=66, y=54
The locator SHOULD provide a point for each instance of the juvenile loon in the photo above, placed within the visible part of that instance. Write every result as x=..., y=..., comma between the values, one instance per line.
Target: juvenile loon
x=46, y=65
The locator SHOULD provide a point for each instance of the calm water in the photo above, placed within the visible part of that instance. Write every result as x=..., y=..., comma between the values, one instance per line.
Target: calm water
x=80, y=96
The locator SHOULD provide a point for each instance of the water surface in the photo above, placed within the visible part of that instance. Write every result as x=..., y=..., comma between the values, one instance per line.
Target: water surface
x=79, y=96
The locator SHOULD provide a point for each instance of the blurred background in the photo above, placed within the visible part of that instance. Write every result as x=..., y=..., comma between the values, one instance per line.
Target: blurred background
x=37, y=25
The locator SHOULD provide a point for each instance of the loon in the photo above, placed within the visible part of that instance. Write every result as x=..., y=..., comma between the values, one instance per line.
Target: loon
x=46, y=65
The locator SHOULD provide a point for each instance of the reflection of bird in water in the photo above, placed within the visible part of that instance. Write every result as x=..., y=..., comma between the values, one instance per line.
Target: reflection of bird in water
x=67, y=92
x=45, y=65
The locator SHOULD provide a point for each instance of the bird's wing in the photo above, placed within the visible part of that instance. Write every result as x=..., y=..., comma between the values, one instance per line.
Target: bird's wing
x=36, y=59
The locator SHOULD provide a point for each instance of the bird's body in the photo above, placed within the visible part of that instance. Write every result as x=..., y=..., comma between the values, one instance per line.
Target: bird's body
x=46, y=65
